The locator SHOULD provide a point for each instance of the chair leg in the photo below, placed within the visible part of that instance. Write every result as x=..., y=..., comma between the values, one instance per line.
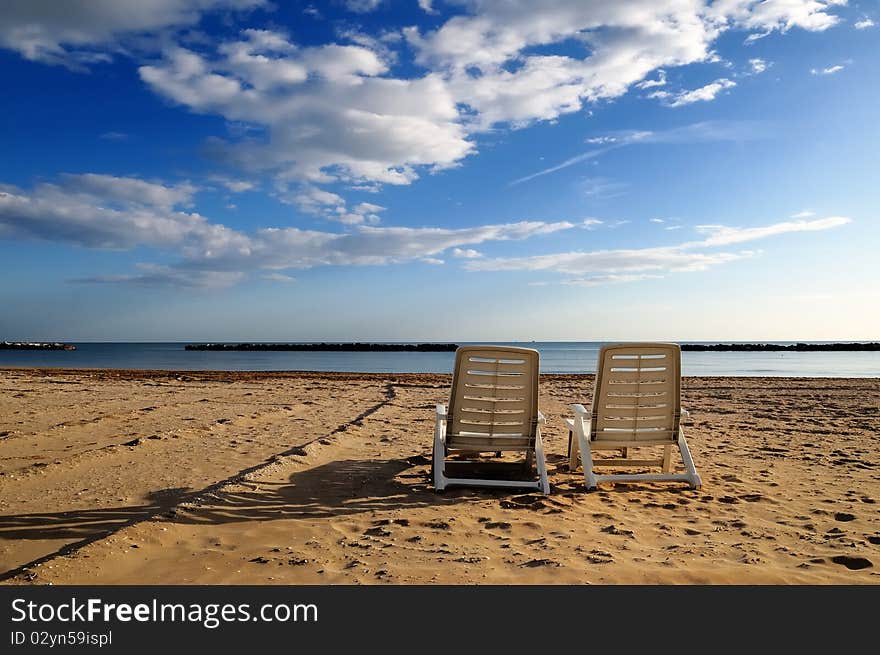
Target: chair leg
x=587, y=462
x=438, y=461
x=572, y=452
x=667, y=458
x=541, y=463
x=693, y=476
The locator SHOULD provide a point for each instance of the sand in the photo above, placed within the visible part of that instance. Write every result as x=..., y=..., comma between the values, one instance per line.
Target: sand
x=132, y=477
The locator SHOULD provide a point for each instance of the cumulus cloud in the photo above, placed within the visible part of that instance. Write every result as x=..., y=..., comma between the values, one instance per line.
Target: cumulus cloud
x=233, y=184
x=102, y=211
x=98, y=211
x=336, y=113
x=758, y=66
x=333, y=207
x=81, y=33
x=481, y=52
x=702, y=94
x=466, y=253
x=621, y=265
x=346, y=114
x=863, y=24
x=650, y=84
x=329, y=113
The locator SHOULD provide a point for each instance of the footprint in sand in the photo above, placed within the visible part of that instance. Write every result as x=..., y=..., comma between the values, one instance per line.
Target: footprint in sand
x=378, y=531
x=613, y=529
x=852, y=563
x=534, y=563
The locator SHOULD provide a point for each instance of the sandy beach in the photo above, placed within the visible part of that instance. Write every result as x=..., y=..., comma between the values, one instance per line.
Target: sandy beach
x=134, y=477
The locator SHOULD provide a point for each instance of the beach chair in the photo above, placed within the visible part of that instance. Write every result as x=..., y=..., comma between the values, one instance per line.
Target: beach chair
x=493, y=407
x=636, y=404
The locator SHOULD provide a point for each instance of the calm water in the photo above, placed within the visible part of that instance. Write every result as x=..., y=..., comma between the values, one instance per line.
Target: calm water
x=556, y=357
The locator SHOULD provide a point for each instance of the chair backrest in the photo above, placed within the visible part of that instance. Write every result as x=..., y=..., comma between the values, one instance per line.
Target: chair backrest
x=637, y=396
x=494, y=399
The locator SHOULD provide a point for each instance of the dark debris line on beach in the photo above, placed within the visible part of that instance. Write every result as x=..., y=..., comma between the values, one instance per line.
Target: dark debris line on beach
x=338, y=347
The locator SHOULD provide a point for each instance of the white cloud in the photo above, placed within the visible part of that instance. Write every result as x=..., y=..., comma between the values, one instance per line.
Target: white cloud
x=466, y=253
x=101, y=211
x=481, y=52
x=656, y=220
x=863, y=24
x=340, y=113
x=719, y=235
x=592, y=223
x=232, y=184
x=333, y=207
x=758, y=66
x=827, y=71
x=80, y=33
x=703, y=94
x=601, y=140
x=362, y=6
x=278, y=277
x=803, y=214
x=328, y=113
x=427, y=6
x=432, y=260
x=114, y=136
x=97, y=211
x=650, y=84
x=605, y=266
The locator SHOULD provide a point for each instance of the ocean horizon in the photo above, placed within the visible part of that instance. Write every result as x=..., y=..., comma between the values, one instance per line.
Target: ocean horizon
x=559, y=357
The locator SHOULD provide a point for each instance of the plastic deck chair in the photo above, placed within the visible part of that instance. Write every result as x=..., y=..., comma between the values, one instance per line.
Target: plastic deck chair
x=493, y=407
x=636, y=403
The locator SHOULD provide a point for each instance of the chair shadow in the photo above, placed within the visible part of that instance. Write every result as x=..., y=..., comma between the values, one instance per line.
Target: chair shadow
x=338, y=488
x=86, y=523
x=334, y=489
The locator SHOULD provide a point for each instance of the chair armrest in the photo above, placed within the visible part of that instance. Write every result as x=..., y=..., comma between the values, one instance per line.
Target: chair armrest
x=541, y=419
x=441, y=412
x=580, y=409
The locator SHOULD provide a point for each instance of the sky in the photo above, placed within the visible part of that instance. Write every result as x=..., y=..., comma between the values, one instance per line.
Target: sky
x=430, y=170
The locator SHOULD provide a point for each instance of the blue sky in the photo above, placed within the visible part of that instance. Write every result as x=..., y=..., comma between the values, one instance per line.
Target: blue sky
x=412, y=170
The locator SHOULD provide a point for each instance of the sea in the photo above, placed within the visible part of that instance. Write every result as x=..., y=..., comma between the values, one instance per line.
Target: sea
x=555, y=357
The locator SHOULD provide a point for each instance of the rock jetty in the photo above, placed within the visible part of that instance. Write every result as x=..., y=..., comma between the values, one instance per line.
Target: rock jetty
x=331, y=347
x=35, y=345
x=759, y=347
